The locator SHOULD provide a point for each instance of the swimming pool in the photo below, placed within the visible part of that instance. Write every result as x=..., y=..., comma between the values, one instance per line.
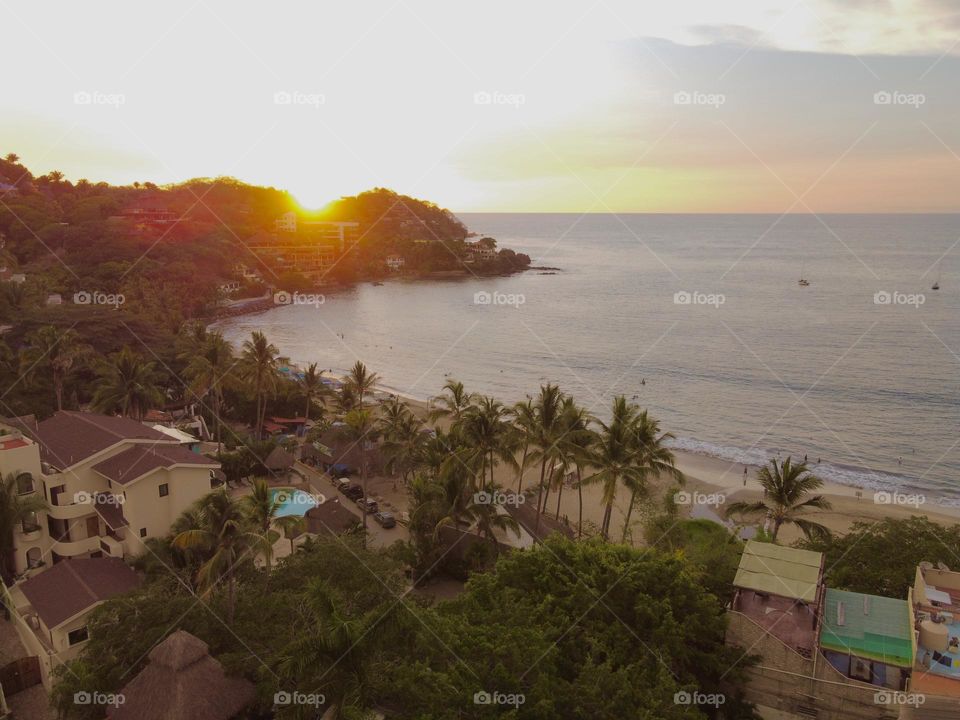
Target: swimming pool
x=292, y=501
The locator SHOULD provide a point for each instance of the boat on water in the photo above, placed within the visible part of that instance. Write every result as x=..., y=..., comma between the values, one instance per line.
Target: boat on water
x=936, y=283
x=802, y=282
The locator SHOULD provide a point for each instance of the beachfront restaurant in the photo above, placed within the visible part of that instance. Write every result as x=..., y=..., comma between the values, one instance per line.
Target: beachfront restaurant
x=867, y=637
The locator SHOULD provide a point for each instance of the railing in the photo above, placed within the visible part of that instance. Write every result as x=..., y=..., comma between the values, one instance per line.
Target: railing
x=76, y=547
x=71, y=511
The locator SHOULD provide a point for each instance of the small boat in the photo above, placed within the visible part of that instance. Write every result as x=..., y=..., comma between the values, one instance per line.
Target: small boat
x=935, y=286
x=802, y=282
x=377, y=284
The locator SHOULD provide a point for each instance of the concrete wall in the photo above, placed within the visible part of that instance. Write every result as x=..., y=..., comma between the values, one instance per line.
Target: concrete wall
x=144, y=508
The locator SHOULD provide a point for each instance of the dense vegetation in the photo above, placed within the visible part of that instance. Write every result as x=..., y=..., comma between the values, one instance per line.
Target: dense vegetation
x=69, y=239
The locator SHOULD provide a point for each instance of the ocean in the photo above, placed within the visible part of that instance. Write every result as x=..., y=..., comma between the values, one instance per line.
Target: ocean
x=701, y=320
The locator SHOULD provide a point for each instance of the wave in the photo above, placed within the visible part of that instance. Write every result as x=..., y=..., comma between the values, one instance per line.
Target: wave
x=839, y=473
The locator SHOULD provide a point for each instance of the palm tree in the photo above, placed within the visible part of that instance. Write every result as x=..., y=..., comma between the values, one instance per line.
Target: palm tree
x=12, y=158
x=55, y=350
x=220, y=533
x=786, y=487
x=261, y=508
x=616, y=457
x=292, y=526
x=523, y=424
x=360, y=430
x=16, y=508
x=574, y=447
x=361, y=381
x=654, y=459
x=209, y=373
x=547, y=409
x=403, y=438
x=127, y=382
x=452, y=402
x=259, y=362
x=311, y=385
x=487, y=434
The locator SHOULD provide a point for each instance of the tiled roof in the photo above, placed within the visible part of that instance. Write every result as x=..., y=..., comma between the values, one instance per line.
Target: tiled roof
x=70, y=437
x=137, y=461
x=72, y=586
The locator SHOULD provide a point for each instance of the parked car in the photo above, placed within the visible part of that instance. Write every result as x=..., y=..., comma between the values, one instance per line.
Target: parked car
x=342, y=483
x=339, y=470
x=354, y=492
x=370, y=505
x=385, y=519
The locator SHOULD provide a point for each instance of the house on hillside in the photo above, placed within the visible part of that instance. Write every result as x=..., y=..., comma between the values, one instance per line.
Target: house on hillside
x=396, y=262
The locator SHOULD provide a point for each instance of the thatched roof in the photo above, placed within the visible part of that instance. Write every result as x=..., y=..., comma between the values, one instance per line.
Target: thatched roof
x=330, y=517
x=279, y=459
x=182, y=681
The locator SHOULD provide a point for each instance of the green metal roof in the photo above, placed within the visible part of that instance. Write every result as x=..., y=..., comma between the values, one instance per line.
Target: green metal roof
x=874, y=627
x=776, y=570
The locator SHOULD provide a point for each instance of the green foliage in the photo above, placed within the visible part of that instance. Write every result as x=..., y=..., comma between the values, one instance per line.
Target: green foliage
x=881, y=558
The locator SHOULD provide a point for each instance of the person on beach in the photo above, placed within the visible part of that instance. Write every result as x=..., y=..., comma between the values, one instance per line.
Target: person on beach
x=804, y=458
x=744, y=475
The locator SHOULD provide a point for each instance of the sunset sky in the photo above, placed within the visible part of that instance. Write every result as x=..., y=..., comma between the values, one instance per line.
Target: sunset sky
x=501, y=106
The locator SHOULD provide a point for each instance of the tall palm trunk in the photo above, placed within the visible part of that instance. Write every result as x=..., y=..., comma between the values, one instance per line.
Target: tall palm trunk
x=559, y=496
x=626, y=520
x=580, y=498
x=523, y=468
x=543, y=470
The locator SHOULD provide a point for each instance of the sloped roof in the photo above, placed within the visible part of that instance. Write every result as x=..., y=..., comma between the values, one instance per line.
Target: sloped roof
x=279, y=459
x=72, y=586
x=70, y=437
x=777, y=570
x=135, y=462
x=182, y=681
x=874, y=627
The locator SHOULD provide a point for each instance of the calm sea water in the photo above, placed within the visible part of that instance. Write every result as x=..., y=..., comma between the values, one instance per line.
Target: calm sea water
x=753, y=366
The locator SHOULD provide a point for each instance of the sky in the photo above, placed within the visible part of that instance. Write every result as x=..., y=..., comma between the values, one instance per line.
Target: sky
x=558, y=106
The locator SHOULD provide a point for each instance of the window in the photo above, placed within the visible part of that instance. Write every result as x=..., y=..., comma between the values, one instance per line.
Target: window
x=24, y=483
x=34, y=558
x=30, y=523
x=77, y=636
x=143, y=532
x=164, y=489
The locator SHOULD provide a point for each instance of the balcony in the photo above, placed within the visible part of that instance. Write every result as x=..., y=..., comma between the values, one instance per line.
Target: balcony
x=68, y=548
x=29, y=532
x=71, y=511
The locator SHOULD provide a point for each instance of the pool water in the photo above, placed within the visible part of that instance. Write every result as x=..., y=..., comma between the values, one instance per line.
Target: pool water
x=292, y=501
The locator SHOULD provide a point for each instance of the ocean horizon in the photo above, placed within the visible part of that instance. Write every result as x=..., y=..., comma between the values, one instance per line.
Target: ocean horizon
x=700, y=319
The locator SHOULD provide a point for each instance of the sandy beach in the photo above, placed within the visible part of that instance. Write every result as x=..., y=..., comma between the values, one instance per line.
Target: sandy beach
x=708, y=476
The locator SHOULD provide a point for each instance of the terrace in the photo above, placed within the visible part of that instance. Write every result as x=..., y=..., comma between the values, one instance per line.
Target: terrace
x=936, y=603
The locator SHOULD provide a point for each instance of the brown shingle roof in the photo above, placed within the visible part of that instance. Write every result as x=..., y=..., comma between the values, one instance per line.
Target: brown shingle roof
x=70, y=437
x=279, y=459
x=182, y=681
x=137, y=461
x=72, y=586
